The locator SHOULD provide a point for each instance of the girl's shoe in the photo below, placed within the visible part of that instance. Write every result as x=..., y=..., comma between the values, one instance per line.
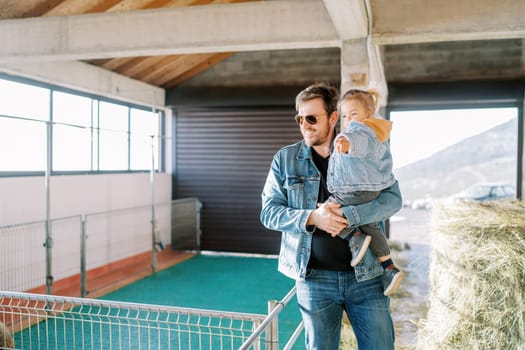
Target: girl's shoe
x=358, y=245
x=392, y=279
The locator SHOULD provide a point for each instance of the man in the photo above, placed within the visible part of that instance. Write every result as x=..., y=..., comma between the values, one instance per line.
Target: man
x=311, y=253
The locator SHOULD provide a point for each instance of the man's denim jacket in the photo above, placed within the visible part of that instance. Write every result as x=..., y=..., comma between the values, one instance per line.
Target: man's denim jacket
x=290, y=195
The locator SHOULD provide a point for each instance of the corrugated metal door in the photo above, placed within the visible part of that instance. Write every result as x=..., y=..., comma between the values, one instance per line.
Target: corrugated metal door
x=222, y=157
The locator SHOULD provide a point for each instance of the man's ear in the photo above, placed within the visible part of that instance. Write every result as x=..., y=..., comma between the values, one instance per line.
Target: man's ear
x=334, y=117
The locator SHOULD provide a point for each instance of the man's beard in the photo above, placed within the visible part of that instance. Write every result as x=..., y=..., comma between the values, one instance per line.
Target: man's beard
x=315, y=139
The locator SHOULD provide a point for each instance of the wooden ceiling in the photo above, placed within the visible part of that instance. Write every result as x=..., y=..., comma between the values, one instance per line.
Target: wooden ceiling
x=162, y=71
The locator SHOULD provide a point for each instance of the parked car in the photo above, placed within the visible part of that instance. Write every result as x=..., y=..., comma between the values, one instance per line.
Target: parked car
x=424, y=203
x=486, y=192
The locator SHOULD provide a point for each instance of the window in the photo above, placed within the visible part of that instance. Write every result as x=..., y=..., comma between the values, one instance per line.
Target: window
x=26, y=101
x=88, y=134
x=144, y=128
x=72, y=133
x=438, y=153
x=23, y=145
x=24, y=110
x=113, y=133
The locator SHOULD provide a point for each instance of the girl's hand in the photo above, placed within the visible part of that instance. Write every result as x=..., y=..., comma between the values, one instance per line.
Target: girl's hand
x=342, y=145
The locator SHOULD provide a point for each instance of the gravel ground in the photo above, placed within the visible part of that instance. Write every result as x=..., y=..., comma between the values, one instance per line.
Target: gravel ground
x=410, y=241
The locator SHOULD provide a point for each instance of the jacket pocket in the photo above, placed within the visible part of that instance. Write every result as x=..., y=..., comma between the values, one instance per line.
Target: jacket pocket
x=295, y=189
x=368, y=268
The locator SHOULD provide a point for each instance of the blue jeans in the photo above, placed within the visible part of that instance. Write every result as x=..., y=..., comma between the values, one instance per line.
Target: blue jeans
x=324, y=295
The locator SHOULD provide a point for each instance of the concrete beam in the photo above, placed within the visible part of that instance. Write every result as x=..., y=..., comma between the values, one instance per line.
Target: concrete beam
x=349, y=18
x=90, y=79
x=416, y=21
x=251, y=26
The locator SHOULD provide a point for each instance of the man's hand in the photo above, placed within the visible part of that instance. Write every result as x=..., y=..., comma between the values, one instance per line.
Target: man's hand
x=328, y=217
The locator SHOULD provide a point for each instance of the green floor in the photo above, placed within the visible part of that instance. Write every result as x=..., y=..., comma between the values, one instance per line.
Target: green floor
x=215, y=282
x=212, y=282
x=228, y=283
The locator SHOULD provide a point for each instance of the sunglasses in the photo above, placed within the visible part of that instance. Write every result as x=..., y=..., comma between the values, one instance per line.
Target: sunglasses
x=310, y=119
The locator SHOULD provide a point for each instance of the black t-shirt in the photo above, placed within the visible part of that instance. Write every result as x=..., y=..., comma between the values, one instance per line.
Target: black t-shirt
x=328, y=253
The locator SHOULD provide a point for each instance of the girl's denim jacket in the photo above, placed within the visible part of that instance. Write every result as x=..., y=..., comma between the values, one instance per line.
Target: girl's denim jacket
x=368, y=165
x=290, y=195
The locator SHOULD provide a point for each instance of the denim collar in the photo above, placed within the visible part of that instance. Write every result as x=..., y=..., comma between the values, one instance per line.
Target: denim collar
x=305, y=152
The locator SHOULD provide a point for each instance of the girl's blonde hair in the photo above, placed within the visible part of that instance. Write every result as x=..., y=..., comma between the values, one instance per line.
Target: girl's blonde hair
x=369, y=98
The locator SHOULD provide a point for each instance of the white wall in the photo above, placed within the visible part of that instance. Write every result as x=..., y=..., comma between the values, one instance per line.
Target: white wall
x=24, y=198
x=112, y=233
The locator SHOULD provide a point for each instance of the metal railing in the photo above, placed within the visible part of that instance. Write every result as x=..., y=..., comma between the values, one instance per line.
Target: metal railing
x=271, y=324
x=31, y=259
x=52, y=322
x=23, y=253
x=39, y=321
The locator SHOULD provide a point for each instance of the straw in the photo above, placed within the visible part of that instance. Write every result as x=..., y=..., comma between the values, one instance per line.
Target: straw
x=477, y=277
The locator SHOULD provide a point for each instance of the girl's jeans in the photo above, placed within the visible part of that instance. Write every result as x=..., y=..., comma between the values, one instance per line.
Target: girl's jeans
x=324, y=295
x=379, y=243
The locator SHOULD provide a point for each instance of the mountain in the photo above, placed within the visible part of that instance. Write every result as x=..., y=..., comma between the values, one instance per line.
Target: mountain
x=487, y=157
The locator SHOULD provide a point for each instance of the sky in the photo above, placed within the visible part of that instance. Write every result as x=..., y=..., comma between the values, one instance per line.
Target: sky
x=419, y=134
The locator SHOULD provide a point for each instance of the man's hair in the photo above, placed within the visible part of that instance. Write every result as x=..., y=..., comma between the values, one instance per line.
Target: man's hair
x=327, y=93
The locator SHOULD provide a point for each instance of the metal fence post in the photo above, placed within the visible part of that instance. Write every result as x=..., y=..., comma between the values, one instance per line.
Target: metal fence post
x=48, y=244
x=198, y=207
x=155, y=243
x=272, y=332
x=83, y=267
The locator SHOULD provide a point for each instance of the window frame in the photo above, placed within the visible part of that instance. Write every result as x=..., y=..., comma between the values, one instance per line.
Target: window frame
x=94, y=133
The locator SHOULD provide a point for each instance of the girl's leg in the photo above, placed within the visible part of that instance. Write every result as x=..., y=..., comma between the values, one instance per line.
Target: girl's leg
x=379, y=243
x=392, y=277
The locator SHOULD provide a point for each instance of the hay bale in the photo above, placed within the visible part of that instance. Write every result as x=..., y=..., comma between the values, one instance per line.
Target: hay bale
x=477, y=277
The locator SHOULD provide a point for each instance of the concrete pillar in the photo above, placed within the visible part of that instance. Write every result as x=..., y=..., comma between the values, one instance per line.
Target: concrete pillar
x=354, y=65
x=362, y=68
